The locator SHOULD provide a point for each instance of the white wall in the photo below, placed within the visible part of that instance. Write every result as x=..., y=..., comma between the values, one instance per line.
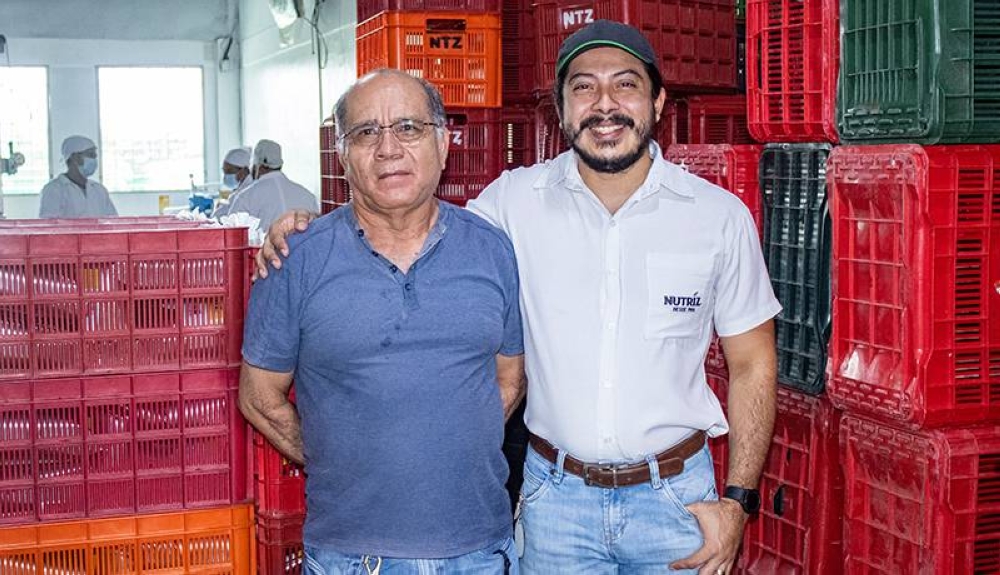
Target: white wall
x=281, y=85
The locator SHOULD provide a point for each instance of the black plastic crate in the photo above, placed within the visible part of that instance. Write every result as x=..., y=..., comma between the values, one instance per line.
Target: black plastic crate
x=920, y=72
x=797, y=250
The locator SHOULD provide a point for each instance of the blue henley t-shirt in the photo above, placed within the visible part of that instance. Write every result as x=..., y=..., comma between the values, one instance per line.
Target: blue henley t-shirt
x=395, y=382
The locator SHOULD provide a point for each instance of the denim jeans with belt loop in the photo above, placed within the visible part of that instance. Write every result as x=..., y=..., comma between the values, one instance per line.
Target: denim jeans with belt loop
x=567, y=527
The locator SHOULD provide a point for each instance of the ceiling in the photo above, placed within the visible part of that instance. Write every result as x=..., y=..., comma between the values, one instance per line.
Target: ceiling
x=200, y=20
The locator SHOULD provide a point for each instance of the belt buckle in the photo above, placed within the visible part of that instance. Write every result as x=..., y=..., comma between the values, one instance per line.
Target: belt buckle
x=587, y=480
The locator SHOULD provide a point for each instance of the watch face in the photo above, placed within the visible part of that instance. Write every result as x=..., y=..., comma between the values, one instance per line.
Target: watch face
x=752, y=500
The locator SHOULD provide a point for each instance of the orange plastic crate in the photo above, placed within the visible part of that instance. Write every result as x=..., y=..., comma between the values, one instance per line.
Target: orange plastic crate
x=119, y=445
x=210, y=542
x=457, y=52
x=101, y=300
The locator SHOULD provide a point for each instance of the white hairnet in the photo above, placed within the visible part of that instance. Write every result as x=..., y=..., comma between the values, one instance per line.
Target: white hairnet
x=239, y=157
x=74, y=144
x=267, y=153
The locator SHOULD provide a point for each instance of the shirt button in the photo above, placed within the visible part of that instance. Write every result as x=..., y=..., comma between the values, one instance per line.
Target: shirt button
x=408, y=287
x=613, y=223
x=393, y=269
x=607, y=440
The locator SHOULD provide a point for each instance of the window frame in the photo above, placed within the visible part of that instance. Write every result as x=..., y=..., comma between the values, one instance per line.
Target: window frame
x=5, y=151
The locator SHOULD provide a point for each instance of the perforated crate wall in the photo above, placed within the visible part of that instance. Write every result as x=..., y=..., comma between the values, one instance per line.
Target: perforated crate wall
x=369, y=8
x=214, y=541
x=797, y=251
x=695, y=38
x=279, y=545
x=93, y=301
x=920, y=502
x=456, y=51
x=518, y=49
x=279, y=484
x=919, y=71
x=718, y=119
x=798, y=529
x=119, y=445
x=792, y=56
x=916, y=261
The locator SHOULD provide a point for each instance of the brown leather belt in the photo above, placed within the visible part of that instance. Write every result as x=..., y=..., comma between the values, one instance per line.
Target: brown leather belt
x=607, y=475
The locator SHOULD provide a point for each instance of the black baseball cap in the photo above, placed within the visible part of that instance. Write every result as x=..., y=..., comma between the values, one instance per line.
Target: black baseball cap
x=604, y=33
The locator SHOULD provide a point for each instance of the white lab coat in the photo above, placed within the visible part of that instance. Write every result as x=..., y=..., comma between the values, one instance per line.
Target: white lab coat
x=272, y=195
x=61, y=198
x=223, y=208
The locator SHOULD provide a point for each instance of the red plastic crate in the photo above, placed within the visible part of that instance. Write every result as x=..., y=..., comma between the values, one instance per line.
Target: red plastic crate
x=518, y=136
x=118, y=445
x=718, y=120
x=518, y=50
x=732, y=168
x=206, y=542
x=719, y=446
x=481, y=142
x=116, y=301
x=916, y=260
x=695, y=38
x=792, y=62
x=133, y=222
x=369, y=8
x=280, y=484
x=458, y=52
x=549, y=141
x=798, y=530
x=279, y=545
x=673, y=128
x=920, y=502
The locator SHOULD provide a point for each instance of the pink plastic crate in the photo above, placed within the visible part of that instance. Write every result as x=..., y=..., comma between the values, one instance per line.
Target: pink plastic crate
x=920, y=502
x=916, y=261
x=120, y=445
x=696, y=39
x=798, y=530
x=792, y=62
x=115, y=301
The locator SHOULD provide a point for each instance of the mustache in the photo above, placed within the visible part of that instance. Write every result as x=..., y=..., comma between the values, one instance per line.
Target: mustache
x=616, y=118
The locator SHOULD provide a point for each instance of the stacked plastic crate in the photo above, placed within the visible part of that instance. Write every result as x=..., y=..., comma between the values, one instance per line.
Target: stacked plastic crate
x=458, y=49
x=915, y=346
x=122, y=449
x=791, y=71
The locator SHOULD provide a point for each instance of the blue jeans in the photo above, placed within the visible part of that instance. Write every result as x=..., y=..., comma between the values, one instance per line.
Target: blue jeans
x=567, y=527
x=497, y=559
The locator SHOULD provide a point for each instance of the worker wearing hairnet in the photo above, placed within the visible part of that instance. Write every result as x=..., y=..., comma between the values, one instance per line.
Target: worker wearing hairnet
x=271, y=193
x=72, y=194
x=235, y=176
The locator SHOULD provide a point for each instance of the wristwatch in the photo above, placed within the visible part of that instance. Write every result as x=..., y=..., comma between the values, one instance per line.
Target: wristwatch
x=749, y=499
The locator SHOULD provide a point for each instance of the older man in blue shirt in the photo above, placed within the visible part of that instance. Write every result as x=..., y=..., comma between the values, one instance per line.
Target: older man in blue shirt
x=398, y=317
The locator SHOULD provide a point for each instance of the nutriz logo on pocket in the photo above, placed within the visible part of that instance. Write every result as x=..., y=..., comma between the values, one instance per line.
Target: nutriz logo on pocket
x=683, y=303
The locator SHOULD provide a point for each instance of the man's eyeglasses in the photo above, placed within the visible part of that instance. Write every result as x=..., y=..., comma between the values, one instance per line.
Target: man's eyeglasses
x=370, y=135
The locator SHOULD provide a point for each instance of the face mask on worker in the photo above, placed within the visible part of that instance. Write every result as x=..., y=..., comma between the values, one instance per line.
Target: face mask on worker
x=230, y=181
x=89, y=166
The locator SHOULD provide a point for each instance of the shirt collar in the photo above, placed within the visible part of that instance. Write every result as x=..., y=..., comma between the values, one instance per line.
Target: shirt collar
x=662, y=174
x=445, y=214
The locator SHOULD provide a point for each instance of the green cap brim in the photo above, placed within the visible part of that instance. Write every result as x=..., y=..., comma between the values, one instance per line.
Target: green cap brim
x=593, y=44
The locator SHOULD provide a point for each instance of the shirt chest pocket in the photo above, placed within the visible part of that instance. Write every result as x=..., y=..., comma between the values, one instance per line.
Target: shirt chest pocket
x=678, y=295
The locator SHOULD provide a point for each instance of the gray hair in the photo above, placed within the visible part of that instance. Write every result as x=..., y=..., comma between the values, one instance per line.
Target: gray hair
x=435, y=105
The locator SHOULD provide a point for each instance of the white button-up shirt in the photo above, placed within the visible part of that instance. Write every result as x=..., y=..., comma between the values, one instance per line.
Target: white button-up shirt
x=61, y=198
x=619, y=309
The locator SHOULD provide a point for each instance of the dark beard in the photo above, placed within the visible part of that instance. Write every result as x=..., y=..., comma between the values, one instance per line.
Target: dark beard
x=614, y=164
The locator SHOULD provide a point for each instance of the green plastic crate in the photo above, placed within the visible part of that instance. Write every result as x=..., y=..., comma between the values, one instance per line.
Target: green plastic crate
x=922, y=71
